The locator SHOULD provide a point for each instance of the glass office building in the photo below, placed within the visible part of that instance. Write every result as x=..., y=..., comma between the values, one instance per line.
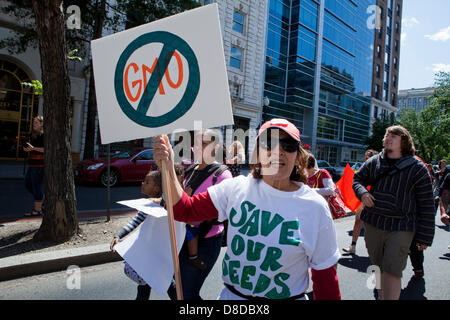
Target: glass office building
x=318, y=72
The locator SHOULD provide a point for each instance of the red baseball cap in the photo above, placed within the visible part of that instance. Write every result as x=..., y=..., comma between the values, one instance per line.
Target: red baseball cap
x=282, y=124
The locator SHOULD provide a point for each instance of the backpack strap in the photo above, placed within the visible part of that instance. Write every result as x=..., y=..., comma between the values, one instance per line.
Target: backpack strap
x=218, y=172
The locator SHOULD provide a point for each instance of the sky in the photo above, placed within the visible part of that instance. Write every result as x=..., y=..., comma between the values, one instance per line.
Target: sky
x=425, y=44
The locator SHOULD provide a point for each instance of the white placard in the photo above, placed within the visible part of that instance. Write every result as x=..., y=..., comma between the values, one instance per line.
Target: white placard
x=146, y=206
x=193, y=88
x=148, y=251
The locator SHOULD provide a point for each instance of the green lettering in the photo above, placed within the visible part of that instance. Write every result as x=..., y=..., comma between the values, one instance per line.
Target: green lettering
x=246, y=272
x=237, y=245
x=285, y=292
x=268, y=226
x=224, y=267
x=243, y=218
x=251, y=226
x=262, y=284
x=286, y=234
x=254, y=250
x=270, y=261
x=233, y=265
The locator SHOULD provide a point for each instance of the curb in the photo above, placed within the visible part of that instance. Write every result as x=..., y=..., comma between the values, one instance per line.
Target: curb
x=81, y=215
x=45, y=262
x=32, y=264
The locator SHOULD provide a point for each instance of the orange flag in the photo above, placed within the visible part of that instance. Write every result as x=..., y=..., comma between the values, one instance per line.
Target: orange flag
x=345, y=187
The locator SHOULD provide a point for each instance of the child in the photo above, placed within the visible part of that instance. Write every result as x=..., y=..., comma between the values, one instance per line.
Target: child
x=151, y=186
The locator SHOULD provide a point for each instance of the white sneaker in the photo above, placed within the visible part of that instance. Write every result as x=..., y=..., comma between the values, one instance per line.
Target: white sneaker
x=351, y=249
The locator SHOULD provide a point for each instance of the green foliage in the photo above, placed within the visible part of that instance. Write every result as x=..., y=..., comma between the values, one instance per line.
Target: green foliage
x=430, y=128
x=37, y=85
x=71, y=55
x=375, y=141
x=137, y=12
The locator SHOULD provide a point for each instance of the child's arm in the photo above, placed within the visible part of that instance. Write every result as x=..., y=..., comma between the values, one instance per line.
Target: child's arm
x=133, y=224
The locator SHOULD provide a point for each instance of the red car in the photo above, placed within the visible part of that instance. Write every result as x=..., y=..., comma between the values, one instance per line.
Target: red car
x=124, y=167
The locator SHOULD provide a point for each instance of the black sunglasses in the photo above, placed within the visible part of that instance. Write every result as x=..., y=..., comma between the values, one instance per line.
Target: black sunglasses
x=287, y=144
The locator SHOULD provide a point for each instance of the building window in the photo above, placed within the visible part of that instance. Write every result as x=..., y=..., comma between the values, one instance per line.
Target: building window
x=397, y=28
x=379, y=51
x=394, y=81
x=393, y=99
x=395, y=62
x=375, y=112
x=385, y=94
x=386, y=58
x=236, y=57
x=238, y=22
x=380, y=32
x=328, y=128
x=377, y=70
x=377, y=91
x=398, y=10
x=396, y=45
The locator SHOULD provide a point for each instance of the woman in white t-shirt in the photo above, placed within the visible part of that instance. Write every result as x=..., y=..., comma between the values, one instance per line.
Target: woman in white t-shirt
x=278, y=226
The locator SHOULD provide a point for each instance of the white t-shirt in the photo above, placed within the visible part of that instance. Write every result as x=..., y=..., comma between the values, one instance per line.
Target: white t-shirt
x=273, y=236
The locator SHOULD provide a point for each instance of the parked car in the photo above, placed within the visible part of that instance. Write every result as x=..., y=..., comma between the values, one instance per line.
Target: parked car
x=357, y=165
x=124, y=167
x=341, y=167
x=322, y=164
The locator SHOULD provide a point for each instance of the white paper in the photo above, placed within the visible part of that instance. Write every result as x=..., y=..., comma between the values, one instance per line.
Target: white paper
x=146, y=206
x=200, y=30
x=148, y=251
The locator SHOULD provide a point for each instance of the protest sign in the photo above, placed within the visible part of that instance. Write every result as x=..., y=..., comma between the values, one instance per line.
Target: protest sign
x=162, y=76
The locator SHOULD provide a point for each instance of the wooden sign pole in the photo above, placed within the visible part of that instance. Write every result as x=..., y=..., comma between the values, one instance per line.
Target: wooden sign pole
x=173, y=240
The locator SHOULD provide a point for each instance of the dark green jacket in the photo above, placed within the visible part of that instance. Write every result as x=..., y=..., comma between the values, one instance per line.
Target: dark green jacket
x=403, y=198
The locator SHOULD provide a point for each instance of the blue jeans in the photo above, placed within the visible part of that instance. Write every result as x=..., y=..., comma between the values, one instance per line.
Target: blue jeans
x=34, y=179
x=192, y=278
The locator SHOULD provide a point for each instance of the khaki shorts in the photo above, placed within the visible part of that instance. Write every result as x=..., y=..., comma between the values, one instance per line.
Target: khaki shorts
x=388, y=249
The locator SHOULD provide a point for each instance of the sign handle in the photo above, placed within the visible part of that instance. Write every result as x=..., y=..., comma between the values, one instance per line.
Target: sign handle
x=173, y=241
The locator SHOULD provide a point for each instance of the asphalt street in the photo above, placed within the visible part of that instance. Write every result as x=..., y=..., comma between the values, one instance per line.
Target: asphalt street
x=108, y=282
x=16, y=201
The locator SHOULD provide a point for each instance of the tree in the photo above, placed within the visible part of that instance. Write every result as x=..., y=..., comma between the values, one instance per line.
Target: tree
x=89, y=140
x=375, y=141
x=60, y=220
x=137, y=12
x=430, y=128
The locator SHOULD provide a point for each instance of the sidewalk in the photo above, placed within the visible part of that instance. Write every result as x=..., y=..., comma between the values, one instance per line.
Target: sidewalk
x=12, y=170
x=29, y=264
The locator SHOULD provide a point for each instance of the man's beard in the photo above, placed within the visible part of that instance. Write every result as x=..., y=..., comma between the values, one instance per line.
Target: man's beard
x=388, y=151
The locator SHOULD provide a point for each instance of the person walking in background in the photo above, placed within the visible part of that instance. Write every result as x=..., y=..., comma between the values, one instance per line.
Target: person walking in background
x=398, y=208
x=203, y=240
x=357, y=226
x=444, y=198
x=319, y=180
x=236, y=157
x=278, y=227
x=34, y=177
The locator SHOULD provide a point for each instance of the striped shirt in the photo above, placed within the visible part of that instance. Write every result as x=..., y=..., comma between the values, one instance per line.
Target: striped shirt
x=403, y=201
x=133, y=224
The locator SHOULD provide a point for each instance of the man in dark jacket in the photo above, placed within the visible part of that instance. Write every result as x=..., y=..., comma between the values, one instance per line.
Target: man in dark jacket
x=398, y=209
